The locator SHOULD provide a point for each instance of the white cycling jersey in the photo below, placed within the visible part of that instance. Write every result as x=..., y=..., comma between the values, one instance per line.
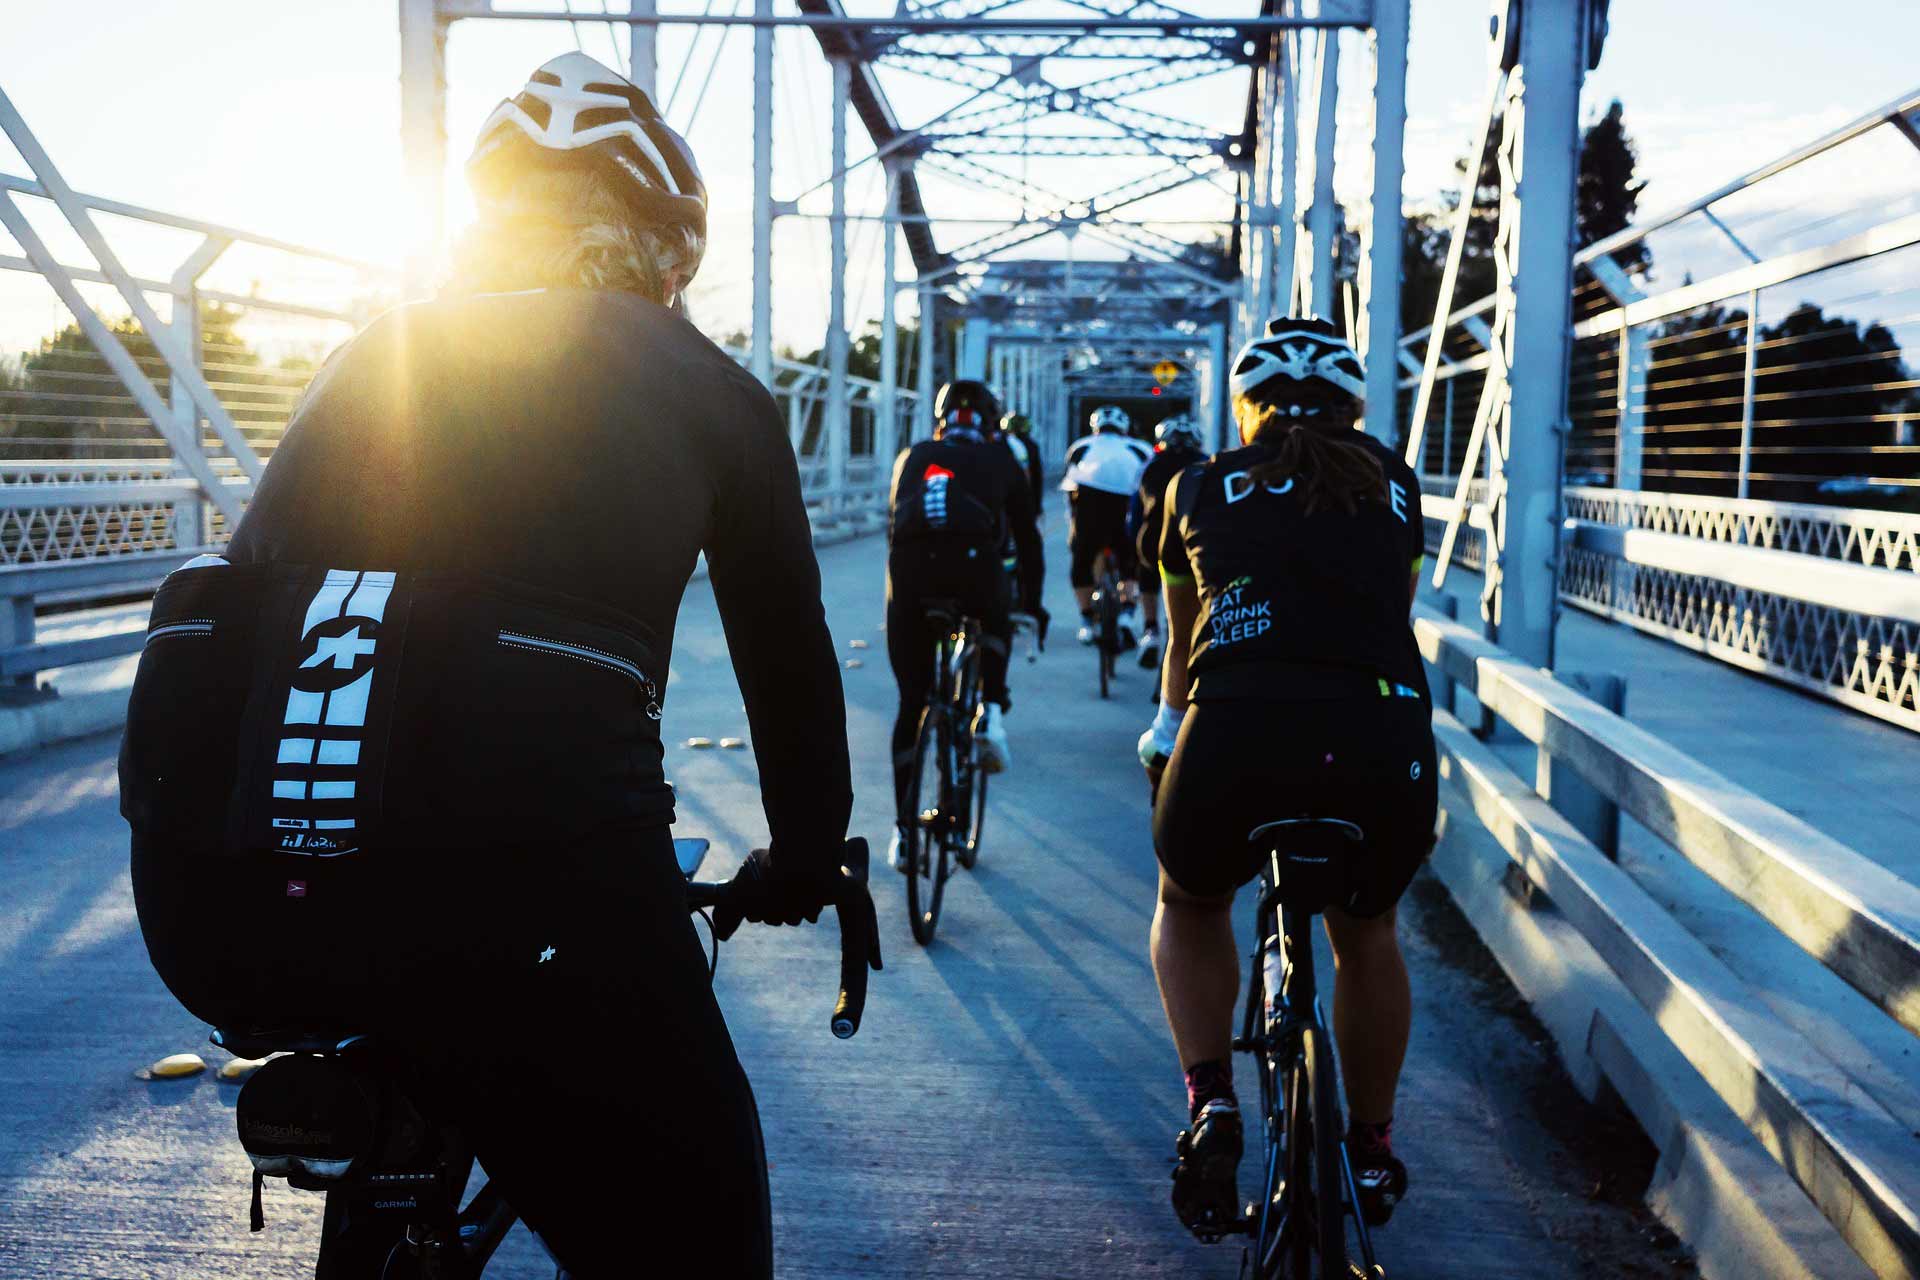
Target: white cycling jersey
x=1108, y=462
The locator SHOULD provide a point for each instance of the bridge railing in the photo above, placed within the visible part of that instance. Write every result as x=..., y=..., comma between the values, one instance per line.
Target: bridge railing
x=1846, y=1151
x=1825, y=598
x=1750, y=343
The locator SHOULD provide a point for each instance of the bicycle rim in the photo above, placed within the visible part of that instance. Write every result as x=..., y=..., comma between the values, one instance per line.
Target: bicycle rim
x=1328, y=1183
x=968, y=851
x=926, y=845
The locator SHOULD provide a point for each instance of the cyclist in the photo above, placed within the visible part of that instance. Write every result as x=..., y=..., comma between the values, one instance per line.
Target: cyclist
x=1292, y=688
x=1103, y=468
x=429, y=683
x=1177, y=445
x=954, y=502
x=1017, y=430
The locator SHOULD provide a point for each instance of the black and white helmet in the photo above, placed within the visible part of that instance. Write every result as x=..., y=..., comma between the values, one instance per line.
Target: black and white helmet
x=1178, y=432
x=1299, y=358
x=577, y=111
x=1109, y=417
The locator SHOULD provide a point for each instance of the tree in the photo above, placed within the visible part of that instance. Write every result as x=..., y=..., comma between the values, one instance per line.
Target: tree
x=64, y=401
x=1608, y=193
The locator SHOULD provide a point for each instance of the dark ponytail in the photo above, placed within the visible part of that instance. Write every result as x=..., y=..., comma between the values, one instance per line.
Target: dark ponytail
x=1336, y=471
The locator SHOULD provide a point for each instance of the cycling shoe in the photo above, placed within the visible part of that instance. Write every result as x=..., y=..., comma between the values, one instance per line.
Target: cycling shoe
x=1150, y=649
x=1380, y=1181
x=1206, y=1197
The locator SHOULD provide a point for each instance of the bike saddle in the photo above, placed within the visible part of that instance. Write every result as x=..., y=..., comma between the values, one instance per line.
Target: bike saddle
x=260, y=1043
x=1315, y=859
x=943, y=611
x=1309, y=836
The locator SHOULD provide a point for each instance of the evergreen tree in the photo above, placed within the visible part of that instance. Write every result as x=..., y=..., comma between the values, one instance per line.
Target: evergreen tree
x=1608, y=193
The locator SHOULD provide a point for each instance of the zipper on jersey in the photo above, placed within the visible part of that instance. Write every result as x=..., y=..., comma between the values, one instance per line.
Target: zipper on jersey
x=593, y=657
x=185, y=627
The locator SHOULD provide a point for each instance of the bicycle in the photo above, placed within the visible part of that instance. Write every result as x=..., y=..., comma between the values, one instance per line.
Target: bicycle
x=1109, y=599
x=1299, y=1226
x=333, y=1114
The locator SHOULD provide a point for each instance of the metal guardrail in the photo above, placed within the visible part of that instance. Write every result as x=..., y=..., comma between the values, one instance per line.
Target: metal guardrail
x=1851, y=1157
x=1824, y=598
x=1747, y=342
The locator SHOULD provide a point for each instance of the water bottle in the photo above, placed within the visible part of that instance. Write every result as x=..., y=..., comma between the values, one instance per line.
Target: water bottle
x=1272, y=968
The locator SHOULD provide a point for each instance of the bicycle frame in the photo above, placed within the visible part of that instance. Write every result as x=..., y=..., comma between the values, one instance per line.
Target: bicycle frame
x=1273, y=1028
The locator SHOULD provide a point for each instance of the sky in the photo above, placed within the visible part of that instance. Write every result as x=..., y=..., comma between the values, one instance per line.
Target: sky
x=281, y=117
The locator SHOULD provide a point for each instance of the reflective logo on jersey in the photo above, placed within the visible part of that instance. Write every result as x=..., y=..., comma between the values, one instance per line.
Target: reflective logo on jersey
x=1397, y=497
x=1239, y=485
x=933, y=495
x=317, y=764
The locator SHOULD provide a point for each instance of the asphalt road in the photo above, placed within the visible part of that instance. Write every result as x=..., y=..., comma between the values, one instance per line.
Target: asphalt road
x=1007, y=1111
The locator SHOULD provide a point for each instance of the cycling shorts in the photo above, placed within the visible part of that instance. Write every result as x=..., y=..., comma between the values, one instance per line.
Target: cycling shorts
x=1243, y=762
x=1097, y=521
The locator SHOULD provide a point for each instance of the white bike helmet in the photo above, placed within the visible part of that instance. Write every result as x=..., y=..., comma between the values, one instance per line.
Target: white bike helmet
x=576, y=111
x=1299, y=360
x=1178, y=432
x=1109, y=417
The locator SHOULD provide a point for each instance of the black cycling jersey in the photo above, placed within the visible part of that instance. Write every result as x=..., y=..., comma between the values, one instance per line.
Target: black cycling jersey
x=590, y=444
x=968, y=493
x=1027, y=454
x=1290, y=601
x=1151, y=505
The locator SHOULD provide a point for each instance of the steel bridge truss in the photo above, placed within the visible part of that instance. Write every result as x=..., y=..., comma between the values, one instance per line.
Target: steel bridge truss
x=1039, y=83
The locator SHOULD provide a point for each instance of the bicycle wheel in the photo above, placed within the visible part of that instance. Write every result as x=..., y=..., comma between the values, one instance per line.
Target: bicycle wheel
x=1328, y=1185
x=926, y=833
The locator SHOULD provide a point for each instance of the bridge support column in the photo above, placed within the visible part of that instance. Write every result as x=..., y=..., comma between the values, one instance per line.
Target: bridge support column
x=761, y=354
x=837, y=426
x=886, y=427
x=1536, y=259
x=975, y=338
x=1630, y=438
x=1390, y=19
x=423, y=135
x=1286, y=254
x=1215, y=413
x=643, y=65
x=929, y=323
x=1320, y=217
x=1577, y=800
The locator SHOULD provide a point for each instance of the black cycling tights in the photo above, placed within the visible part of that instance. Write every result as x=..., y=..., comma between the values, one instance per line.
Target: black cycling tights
x=917, y=572
x=1240, y=763
x=598, y=1087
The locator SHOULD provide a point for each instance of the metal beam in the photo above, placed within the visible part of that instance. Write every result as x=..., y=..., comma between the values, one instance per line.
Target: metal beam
x=1390, y=21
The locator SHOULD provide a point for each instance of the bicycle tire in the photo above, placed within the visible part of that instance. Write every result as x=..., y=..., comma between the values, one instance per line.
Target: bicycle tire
x=1328, y=1184
x=926, y=843
x=967, y=851
x=1269, y=1212
x=1299, y=1155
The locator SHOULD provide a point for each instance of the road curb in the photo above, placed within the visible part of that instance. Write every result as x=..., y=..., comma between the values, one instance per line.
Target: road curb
x=1715, y=1186
x=60, y=719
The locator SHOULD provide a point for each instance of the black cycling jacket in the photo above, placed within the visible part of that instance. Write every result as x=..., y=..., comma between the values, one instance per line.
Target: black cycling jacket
x=587, y=443
x=1291, y=604
x=1150, y=503
x=973, y=492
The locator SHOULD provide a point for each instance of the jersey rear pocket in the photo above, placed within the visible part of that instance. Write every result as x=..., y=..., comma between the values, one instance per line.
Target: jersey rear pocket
x=536, y=725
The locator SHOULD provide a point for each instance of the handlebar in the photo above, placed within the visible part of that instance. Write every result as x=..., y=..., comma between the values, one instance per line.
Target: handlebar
x=859, y=932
